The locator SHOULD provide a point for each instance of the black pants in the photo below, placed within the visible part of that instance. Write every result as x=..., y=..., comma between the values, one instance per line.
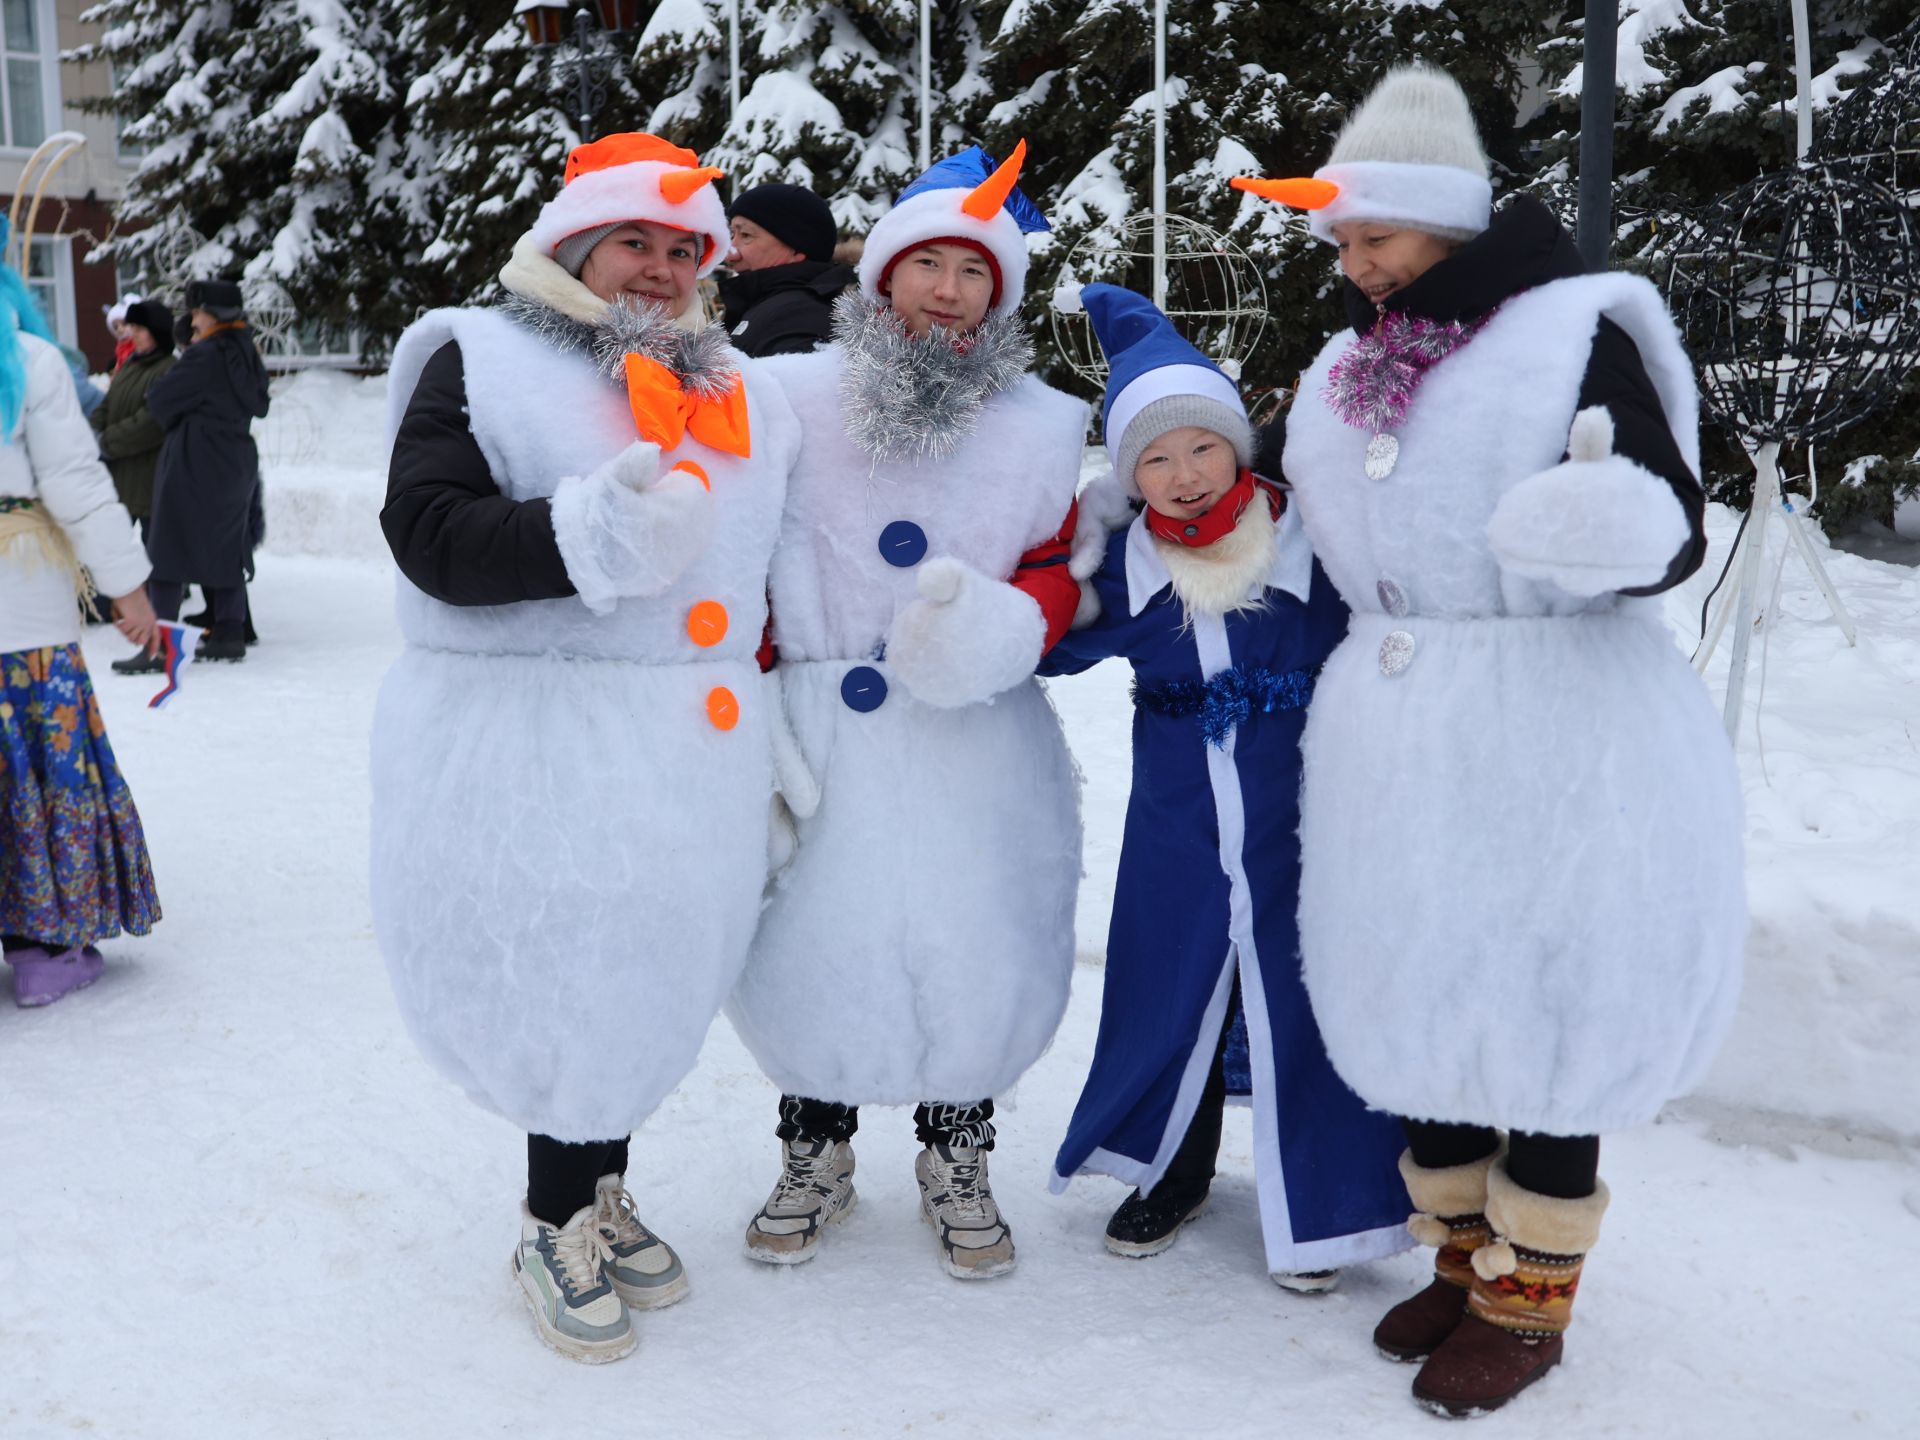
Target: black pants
x=935, y=1123
x=227, y=602
x=1563, y=1166
x=1190, y=1173
x=561, y=1176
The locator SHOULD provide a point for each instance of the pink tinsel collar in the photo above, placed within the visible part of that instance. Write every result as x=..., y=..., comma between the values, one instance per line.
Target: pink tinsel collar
x=1372, y=385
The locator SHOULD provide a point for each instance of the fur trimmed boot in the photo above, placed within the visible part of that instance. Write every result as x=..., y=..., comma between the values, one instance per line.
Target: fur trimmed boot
x=1520, y=1302
x=1452, y=1203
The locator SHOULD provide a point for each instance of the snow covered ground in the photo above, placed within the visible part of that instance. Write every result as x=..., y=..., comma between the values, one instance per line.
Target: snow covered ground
x=239, y=1205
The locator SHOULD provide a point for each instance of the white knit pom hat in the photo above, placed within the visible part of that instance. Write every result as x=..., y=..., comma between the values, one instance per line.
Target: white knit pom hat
x=1409, y=156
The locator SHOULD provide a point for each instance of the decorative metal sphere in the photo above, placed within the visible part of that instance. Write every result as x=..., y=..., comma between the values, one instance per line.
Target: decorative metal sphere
x=1216, y=297
x=1795, y=296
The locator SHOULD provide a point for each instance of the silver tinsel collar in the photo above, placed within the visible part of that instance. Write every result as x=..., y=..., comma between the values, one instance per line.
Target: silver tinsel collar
x=704, y=362
x=903, y=398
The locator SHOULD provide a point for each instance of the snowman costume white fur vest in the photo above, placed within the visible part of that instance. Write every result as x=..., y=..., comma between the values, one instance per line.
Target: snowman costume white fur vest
x=568, y=848
x=1522, y=901
x=920, y=945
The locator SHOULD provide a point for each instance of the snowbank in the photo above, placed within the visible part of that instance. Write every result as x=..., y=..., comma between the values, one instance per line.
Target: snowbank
x=323, y=453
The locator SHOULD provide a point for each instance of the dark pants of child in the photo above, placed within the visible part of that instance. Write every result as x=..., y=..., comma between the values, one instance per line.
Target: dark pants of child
x=1564, y=1166
x=228, y=602
x=1190, y=1173
x=561, y=1176
x=934, y=1123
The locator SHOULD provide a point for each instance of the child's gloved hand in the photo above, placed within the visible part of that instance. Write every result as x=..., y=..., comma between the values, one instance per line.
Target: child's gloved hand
x=1594, y=523
x=966, y=639
x=622, y=531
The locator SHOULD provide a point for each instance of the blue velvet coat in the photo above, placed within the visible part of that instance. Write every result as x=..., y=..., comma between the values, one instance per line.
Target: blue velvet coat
x=1207, y=889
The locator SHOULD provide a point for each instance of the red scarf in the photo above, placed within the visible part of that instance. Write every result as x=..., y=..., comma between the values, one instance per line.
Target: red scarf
x=1203, y=530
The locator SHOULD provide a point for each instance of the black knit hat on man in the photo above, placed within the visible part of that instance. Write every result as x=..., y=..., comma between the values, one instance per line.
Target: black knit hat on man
x=156, y=318
x=792, y=214
x=219, y=298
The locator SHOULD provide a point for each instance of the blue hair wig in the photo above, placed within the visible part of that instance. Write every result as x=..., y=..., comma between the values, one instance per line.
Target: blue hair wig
x=18, y=311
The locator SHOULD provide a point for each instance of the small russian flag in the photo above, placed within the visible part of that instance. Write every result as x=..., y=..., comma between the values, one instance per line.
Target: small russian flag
x=179, y=643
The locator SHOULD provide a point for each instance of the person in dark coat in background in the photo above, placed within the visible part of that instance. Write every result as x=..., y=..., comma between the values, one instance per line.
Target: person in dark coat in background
x=203, y=526
x=779, y=298
x=130, y=437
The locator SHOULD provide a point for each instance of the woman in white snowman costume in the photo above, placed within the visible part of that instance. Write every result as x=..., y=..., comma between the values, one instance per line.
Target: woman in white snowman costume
x=1521, y=907
x=918, y=949
x=571, y=758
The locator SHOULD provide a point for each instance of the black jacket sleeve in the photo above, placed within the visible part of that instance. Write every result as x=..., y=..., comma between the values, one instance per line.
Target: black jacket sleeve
x=793, y=322
x=1269, y=443
x=451, y=531
x=1617, y=378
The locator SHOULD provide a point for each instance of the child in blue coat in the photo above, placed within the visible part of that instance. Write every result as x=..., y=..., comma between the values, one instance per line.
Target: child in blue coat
x=1213, y=595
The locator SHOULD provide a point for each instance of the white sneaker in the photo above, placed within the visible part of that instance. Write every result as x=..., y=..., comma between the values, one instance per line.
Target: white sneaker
x=1307, y=1282
x=642, y=1268
x=560, y=1269
x=815, y=1190
x=957, y=1201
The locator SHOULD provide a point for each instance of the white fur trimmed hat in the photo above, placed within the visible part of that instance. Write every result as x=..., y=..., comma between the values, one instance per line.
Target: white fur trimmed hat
x=966, y=199
x=632, y=176
x=1409, y=156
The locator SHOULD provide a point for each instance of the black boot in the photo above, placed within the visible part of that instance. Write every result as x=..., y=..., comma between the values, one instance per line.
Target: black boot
x=1148, y=1224
x=223, y=642
x=141, y=664
x=204, y=620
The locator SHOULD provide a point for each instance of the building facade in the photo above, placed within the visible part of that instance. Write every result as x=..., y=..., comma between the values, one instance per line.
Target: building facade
x=74, y=214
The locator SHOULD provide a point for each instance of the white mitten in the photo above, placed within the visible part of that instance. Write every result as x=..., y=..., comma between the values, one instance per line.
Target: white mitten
x=1595, y=523
x=622, y=532
x=966, y=638
x=1105, y=506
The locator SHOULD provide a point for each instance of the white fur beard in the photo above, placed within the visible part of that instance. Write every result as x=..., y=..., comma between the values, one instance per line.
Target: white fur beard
x=1219, y=579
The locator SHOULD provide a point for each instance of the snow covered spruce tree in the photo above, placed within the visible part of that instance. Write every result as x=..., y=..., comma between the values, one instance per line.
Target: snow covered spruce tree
x=829, y=94
x=272, y=130
x=1253, y=88
x=1705, y=101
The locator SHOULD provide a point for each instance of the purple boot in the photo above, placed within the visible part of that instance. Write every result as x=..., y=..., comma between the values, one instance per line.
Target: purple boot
x=40, y=978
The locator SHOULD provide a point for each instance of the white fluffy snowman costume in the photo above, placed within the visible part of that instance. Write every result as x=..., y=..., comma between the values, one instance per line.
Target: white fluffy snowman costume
x=1522, y=901
x=920, y=945
x=571, y=795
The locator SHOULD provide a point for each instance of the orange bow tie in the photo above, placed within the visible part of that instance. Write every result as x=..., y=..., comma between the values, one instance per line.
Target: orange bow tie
x=666, y=413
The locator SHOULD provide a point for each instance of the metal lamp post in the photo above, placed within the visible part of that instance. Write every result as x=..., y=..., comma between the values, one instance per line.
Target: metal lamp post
x=592, y=64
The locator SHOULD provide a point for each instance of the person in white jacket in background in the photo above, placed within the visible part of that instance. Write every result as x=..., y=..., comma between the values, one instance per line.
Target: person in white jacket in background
x=73, y=858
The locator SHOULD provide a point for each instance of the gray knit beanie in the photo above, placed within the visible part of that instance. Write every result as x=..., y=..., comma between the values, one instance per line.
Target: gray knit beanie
x=571, y=253
x=1170, y=412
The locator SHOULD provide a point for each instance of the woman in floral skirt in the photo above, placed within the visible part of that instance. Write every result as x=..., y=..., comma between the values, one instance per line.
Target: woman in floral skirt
x=73, y=861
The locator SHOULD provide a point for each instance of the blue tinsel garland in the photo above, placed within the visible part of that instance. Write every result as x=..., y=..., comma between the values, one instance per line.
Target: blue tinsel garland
x=1225, y=702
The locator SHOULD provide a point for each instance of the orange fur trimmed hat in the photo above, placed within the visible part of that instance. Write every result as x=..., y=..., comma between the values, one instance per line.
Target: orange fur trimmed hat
x=633, y=176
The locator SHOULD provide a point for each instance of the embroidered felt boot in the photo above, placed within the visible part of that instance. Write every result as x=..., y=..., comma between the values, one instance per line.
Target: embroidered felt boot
x=1452, y=1201
x=1520, y=1301
x=41, y=976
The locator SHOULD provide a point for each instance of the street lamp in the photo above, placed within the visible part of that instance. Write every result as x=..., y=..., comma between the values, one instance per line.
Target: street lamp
x=593, y=67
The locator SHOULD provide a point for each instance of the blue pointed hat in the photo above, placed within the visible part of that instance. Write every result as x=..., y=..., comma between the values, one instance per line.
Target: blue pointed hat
x=1156, y=380
x=969, y=198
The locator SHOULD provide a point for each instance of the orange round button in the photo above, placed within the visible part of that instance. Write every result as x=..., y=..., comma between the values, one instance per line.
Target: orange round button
x=695, y=471
x=707, y=623
x=722, y=708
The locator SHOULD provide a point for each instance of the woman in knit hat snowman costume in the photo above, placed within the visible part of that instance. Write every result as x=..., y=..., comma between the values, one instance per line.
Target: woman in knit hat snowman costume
x=1212, y=595
x=571, y=769
x=918, y=949
x=1521, y=905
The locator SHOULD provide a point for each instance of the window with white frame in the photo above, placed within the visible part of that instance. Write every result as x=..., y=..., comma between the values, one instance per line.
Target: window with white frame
x=25, y=85
x=50, y=278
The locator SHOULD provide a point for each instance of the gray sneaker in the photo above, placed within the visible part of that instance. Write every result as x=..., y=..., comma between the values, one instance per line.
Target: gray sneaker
x=957, y=1201
x=642, y=1268
x=560, y=1269
x=815, y=1190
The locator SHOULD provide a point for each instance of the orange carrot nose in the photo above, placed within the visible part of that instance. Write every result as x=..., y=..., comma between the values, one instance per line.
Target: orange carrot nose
x=677, y=185
x=991, y=193
x=1302, y=193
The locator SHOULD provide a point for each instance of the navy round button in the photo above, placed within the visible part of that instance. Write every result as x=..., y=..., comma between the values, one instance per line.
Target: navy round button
x=903, y=543
x=864, y=689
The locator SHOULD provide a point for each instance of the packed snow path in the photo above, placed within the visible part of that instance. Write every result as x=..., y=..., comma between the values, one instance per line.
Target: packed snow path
x=237, y=1203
